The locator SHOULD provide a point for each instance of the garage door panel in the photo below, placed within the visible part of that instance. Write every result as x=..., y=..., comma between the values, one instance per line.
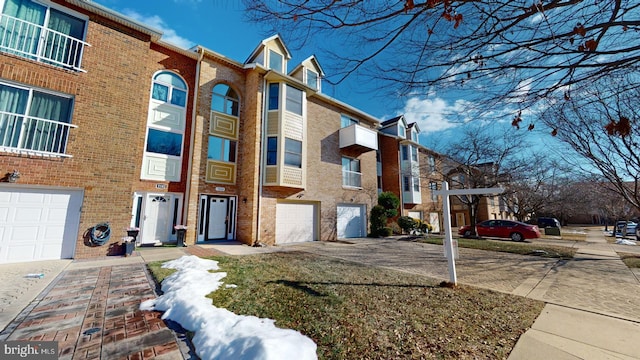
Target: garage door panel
x=19, y=252
x=38, y=224
x=27, y=215
x=350, y=221
x=295, y=222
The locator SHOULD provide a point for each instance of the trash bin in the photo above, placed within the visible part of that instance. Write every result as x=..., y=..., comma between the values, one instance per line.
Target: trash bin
x=181, y=234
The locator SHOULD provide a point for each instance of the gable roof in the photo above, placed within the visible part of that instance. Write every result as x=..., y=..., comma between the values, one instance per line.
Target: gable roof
x=263, y=44
x=393, y=121
x=312, y=59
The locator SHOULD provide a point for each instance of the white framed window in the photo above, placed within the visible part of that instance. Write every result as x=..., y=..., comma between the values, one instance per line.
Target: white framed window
x=406, y=183
x=43, y=32
x=402, y=131
x=294, y=100
x=346, y=121
x=416, y=184
x=405, y=152
x=276, y=61
x=432, y=163
x=170, y=89
x=293, y=152
x=34, y=120
x=274, y=96
x=414, y=153
x=312, y=79
x=351, y=175
x=272, y=150
x=433, y=186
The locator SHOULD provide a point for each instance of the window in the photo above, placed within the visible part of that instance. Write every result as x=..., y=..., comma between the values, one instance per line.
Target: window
x=414, y=135
x=433, y=186
x=164, y=142
x=432, y=163
x=170, y=88
x=312, y=79
x=414, y=153
x=294, y=100
x=42, y=33
x=221, y=149
x=224, y=100
x=351, y=175
x=416, y=184
x=274, y=96
x=406, y=183
x=405, y=152
x=293, y=152
x=402, y=131
x=346, y=121
x=275, y=61
x=34, y=120
x=272, y=150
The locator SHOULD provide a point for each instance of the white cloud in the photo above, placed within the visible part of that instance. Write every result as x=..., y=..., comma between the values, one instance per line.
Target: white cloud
x=168, y=34
x=435, y=114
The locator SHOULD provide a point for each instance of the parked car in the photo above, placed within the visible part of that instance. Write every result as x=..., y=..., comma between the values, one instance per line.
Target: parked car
x=509, y=229
x=544, y=222
x=624, y=228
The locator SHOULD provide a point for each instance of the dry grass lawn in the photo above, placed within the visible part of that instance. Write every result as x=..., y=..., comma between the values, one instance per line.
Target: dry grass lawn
x=353, y=311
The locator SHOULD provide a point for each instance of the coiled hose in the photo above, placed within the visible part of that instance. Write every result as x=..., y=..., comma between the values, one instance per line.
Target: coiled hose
x=100, y=234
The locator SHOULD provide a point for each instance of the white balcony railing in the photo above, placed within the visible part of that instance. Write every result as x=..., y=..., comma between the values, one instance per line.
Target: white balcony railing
x=39, y=43
x=20, y=133
x=351, y=178
x=360, y=136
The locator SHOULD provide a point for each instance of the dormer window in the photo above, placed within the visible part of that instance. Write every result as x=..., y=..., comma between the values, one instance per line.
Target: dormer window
x=276, y=61
x=402, y=132
x=312, y=79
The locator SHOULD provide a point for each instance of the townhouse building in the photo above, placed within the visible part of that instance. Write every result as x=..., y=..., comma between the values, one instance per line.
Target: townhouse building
x=275, y=160
x=410, y=170
x=94, y=128
x=102, y=123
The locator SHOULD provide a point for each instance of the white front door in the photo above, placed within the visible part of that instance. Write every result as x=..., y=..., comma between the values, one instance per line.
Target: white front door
x=156, y=225
x=217, y=224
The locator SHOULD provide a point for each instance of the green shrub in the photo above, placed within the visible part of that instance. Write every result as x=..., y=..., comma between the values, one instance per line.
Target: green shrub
x=378, y=220
x=386, y=231
x=390, y=202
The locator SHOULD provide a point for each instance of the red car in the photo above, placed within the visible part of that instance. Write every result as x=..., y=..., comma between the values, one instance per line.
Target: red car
x=514, y=230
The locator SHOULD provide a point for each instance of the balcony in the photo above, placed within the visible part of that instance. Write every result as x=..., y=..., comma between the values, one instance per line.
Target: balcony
x=19, y=133
x=39, y=43
x=358, y=138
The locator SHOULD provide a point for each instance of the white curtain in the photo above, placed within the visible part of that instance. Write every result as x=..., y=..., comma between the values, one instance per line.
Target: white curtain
x=21, y=36
x=47, y=136
x=13, y=103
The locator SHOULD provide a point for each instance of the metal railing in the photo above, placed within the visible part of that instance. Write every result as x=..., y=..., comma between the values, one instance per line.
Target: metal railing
x=39, y=43
x=351, y=178
x=33, y=135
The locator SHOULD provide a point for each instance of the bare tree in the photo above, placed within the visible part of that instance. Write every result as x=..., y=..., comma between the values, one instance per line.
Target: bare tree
x=514, y=51
x=602, y=126
x=481, y=159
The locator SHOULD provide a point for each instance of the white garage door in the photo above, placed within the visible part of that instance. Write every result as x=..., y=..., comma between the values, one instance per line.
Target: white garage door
x=38, y=224
x=351, y=221
x=295, y=222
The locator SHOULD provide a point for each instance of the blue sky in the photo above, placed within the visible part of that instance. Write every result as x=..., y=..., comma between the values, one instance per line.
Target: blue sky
x=219, y=25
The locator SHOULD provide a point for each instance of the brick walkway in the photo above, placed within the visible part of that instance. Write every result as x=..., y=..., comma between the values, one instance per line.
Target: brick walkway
x=94, y=314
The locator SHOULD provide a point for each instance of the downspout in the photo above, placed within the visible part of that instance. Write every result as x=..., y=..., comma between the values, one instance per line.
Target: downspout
x=263, y=131
x=187, y=191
